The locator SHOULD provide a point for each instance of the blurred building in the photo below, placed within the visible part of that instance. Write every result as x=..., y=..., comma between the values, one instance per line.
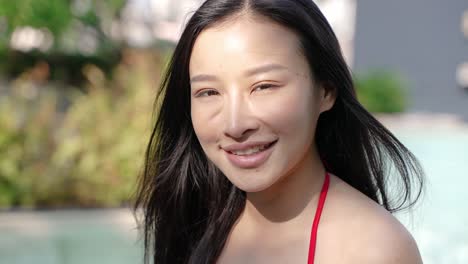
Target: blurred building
x=426, y=41
x=164, y=19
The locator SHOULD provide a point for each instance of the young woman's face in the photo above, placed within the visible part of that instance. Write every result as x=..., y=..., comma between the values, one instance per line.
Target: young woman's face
x=254, y=104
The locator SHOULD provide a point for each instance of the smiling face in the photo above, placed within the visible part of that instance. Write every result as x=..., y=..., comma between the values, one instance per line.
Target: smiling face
x=254, y=103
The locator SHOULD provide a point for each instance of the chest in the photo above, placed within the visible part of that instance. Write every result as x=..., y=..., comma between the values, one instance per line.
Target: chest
x=331, y=248
x=266, y=251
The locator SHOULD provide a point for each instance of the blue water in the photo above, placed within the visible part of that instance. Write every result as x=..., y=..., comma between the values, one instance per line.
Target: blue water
x=439, y=223
x=69, y=237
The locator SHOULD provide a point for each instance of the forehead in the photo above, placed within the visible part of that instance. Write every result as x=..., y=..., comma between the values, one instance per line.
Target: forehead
x=239, y=42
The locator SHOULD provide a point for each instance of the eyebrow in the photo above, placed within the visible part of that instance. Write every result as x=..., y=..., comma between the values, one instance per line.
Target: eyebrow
x=248, y=73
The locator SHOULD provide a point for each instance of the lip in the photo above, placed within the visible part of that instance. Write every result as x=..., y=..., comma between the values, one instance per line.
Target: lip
x=246, y=145
x=249, y=161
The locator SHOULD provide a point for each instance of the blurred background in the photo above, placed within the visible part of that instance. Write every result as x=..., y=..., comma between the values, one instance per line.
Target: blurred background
x=77, y=83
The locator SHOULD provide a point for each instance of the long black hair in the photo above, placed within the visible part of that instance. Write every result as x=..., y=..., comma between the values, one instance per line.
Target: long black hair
x=189, y=206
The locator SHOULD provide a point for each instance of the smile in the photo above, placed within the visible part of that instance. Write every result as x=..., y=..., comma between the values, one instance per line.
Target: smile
x=249, y=156
x=252, y=150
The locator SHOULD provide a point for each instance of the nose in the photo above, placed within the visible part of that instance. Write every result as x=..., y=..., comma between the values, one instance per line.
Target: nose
x=240, y=120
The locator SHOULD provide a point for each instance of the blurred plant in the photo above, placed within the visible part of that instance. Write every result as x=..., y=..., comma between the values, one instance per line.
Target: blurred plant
x=59, y=17
x=382, y=92
x=64, y=33
x=87, y=153
x=24, y=143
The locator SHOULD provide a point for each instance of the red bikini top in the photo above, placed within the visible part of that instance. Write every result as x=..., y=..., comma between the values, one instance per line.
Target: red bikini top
x=318, y=212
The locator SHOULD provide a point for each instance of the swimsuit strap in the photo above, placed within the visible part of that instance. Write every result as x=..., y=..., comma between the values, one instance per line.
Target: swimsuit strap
x=318, y=213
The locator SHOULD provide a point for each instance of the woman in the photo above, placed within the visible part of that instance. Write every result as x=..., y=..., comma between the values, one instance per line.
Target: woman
x=261, y=152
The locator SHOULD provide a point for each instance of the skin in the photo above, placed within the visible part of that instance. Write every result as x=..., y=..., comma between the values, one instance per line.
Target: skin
x=282, y=103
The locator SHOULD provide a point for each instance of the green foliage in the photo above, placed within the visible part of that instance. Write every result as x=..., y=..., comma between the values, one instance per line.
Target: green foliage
x=59, y=32
x=382, y=92
x=55, y=15
x=88, y=154
x=23, y=123
x=52, y=14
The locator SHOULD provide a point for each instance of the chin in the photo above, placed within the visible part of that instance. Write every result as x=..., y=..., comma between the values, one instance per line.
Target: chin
x=252, y=187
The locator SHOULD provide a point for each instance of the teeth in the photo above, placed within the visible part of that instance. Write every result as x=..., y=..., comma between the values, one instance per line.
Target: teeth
x=250, y=150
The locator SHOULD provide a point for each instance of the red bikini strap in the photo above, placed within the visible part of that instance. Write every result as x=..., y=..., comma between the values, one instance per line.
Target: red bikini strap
x=318, y=213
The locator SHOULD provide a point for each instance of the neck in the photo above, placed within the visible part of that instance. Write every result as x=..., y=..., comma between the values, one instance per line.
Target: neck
x=291, y=199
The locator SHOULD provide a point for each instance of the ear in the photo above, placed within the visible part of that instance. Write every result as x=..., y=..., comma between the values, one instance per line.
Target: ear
x=327, y=97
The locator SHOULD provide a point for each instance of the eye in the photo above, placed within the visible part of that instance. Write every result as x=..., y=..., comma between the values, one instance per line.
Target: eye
x=264, y=86
x=206, y=93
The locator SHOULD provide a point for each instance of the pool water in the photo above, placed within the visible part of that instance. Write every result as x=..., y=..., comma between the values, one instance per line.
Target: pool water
x=69, y=237
x=440, y=222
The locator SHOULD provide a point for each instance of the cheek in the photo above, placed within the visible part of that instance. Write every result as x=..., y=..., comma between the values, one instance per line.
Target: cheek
x=203, y=122
x=197, y=120
x=291, y=113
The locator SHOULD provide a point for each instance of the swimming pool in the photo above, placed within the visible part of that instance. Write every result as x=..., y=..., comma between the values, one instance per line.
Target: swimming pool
x=440, y=222
x=69, y=237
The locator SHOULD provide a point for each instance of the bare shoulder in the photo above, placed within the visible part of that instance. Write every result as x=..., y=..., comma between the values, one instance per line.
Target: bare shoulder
x=367, y=232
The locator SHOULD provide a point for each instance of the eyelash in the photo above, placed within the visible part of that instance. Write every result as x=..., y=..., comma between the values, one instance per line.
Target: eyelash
x=206, y=93
x=268, y=85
